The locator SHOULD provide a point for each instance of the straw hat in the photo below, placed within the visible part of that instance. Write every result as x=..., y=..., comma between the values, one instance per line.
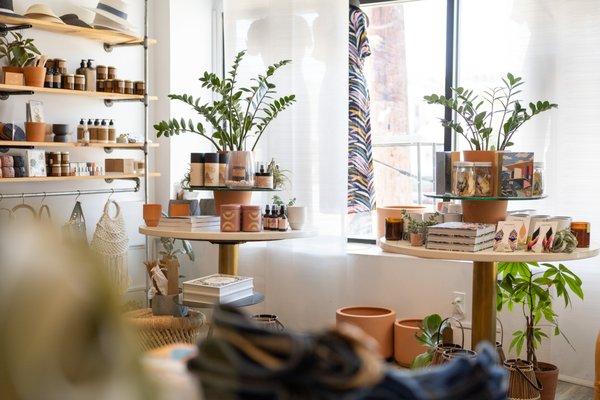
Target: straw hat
x=111, y=14
x=6, y=8
x=42, y=12
x=73, y=19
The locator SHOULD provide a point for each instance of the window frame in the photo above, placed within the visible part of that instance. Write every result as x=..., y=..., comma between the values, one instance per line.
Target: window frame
x=451, y=73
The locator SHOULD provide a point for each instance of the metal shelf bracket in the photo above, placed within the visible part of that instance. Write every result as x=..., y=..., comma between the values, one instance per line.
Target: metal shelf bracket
x=110, y=102
x=4, y=29
x=6, y=95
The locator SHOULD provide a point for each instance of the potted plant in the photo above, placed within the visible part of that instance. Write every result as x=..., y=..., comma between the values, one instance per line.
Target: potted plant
x=533, y=287
x=296, y=214
x=239, y=117
x=432, y=334
x=492, y=129
x=281, y=177
x=418, y=229
x=18, y=52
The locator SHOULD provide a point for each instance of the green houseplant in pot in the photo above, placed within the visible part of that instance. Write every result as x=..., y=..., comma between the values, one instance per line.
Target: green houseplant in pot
x=533, y=288
x=418, y=229
x=239, y=117
x=18, y=52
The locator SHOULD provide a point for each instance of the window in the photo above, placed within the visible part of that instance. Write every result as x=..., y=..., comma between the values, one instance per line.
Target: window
x=407, y=61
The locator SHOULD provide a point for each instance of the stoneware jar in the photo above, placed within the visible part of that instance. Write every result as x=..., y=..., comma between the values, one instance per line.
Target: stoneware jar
x=152, y=214
x=251, y=219
x=377, y=322
x=231, y=218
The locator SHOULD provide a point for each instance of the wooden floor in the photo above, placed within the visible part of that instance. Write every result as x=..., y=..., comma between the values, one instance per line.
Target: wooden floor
x=568, y=391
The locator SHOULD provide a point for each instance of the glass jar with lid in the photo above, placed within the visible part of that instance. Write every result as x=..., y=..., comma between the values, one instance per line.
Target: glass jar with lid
x=463, y=179
x=538, y=179
x=483, y=179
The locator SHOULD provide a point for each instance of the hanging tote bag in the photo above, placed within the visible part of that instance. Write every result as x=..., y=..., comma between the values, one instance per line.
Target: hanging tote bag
x=110, y=243
x=74, y=230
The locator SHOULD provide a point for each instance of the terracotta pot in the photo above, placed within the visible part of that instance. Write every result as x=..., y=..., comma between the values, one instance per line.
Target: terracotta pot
x=35, y=131
x=377, y=322
x=406, y=345
x=548, y=377
x=394, y=212
x=416, y=239
x=152, y=214
x=486, y=212
x=231, y=197
x=34, y=76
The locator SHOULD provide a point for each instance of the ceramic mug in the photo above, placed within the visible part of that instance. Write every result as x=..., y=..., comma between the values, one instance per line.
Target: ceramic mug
x=297, y=217
x=152, y=214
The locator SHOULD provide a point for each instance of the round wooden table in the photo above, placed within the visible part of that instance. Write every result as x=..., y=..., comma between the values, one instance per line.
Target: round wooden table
x=485, y=271
x=228, y=242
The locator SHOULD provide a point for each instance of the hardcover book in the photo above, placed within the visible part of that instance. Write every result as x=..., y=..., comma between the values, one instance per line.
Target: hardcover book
x=461, y=239
x=217, y=285
x=471, y=248
x=461, y=229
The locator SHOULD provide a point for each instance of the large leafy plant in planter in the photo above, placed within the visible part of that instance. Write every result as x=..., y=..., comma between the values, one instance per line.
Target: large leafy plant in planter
x=533, y=287
x=491, y=119
x=19, y=52
x=237, y=115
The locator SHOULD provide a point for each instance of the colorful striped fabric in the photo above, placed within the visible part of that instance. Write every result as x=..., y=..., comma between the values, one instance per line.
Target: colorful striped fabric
x=361, y=193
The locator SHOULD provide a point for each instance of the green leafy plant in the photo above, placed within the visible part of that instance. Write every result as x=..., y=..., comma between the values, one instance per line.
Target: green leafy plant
x=238, y=114
x=281, y=177
x=415, y=226
x=533, y=287
x=430, y=335
x=278, y=201
x=499, y=123
x=19, y=52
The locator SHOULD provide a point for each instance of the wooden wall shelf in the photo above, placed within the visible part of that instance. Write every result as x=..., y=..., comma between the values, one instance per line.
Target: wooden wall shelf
x=119, y=146
x=99, y=35
x=98, y=95
x=75, y=178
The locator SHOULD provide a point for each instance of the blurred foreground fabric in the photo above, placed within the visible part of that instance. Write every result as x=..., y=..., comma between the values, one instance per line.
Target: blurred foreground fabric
x=244, y=361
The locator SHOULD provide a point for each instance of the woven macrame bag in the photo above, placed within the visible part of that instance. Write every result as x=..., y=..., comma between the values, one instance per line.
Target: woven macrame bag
x=110, y=243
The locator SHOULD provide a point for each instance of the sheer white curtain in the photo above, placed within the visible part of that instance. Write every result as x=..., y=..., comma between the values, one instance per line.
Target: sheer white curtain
x=310, y=140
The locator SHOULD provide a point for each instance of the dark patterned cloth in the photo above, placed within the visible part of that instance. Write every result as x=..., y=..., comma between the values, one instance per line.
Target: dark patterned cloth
x=361, y=194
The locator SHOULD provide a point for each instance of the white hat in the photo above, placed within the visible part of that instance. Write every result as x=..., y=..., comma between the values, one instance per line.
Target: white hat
x=42, y=12
x=111, y=14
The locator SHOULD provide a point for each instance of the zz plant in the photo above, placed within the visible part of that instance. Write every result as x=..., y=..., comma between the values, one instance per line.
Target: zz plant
x=19, y=52
x=237, y=114
x=533, y=287
x=493, y=128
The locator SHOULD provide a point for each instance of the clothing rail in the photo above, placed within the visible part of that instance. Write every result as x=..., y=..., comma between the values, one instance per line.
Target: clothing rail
x=69, y=193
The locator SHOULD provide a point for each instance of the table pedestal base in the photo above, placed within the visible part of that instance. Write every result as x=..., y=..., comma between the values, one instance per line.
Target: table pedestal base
x=228, y=258
x=484, y=303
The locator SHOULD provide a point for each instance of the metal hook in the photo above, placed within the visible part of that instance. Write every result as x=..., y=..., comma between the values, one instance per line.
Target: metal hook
x=78, y=195
x=1, y=197
x=22, y=198
x=44, y=198
x=112, y=191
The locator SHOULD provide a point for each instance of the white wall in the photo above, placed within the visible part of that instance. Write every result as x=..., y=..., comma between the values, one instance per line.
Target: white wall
x=64, y=109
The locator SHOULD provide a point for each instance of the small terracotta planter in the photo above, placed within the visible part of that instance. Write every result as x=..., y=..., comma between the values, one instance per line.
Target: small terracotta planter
x=406, y=345
x=548, y=377
x=377, y=322
x=35, y=131
x=34, y=76
x=416, y=239
x=152, y=214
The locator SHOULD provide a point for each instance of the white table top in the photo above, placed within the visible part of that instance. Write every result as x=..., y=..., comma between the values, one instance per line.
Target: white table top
x=216, y=236
x=404, y=247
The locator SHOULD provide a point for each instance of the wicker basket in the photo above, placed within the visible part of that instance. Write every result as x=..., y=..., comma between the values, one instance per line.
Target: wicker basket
x=157, y=331
x=522, y=382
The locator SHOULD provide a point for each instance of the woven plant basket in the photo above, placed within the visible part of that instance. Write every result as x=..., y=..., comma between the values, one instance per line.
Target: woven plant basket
x=499, y=345
x=157, y=331
x=438, y=353
x=522, y=383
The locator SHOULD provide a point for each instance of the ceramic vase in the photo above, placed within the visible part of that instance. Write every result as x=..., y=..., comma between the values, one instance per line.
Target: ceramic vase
x=35, y=131
x=406, y=345
x=377, y=322
x=231, y=218
x=548, y=377
x=152, y=214
x=297, y=217
x=34, y=76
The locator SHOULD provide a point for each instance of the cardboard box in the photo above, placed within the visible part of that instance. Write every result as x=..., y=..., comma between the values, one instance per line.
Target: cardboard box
x=119, y=165
x=14, y=78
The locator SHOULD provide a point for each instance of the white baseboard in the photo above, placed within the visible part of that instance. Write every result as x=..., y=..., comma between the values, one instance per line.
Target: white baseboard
x=576, y=381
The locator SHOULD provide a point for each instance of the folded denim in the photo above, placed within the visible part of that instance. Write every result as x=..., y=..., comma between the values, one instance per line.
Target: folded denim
x=244, y=361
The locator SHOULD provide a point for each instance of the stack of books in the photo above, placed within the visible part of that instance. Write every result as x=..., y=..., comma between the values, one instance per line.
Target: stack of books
x=204, y=222
x=461, y=236
x=218, y=289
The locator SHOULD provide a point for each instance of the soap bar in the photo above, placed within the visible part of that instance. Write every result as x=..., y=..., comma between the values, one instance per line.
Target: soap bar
x=18, y=161
x=6, y=160
x=121, y=165
x=20, y=172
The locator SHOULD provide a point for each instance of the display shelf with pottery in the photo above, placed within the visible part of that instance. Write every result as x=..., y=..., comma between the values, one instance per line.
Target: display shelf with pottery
x=43, y=144
x=16, y=89
x=485, y=272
